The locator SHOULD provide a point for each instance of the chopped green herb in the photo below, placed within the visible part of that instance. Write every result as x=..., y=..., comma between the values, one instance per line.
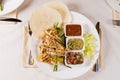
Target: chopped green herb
x=56, y=63
x=1, y=7
x=75, y=44
x=60, y=33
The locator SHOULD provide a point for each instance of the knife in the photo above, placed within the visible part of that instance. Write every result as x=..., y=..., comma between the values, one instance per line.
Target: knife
x=10, y=19
x=96, y=67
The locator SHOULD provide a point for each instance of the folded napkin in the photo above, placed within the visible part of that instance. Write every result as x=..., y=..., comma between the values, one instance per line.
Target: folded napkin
x=26, y=50
x=116, y=16
x=13, y=14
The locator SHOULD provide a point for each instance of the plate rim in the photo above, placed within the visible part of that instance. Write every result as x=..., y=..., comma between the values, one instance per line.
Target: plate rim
x=111, y=5
x=7, y=12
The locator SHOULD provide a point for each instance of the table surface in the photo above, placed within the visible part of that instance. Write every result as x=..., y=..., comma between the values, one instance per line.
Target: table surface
x=11, y=38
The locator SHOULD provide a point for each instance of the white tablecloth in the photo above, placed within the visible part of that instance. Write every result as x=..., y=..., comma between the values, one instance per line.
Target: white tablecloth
x=11, y=37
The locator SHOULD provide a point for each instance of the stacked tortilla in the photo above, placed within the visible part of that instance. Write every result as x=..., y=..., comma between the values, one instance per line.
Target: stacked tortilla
x=48, y=14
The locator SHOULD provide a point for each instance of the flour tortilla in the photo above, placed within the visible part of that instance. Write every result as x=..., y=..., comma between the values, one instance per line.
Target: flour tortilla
x=62, y=9
x=42, y=19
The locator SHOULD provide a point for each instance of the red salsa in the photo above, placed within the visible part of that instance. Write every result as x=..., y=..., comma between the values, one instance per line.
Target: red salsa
x=73, y=30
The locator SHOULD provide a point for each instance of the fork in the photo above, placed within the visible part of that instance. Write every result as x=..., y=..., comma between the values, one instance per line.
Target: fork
x=30, y=60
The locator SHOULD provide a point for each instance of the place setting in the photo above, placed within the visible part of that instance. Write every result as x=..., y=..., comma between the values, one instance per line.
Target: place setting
x=59, y=39
x=115, y=5
x=9, y=10
x=61, y=43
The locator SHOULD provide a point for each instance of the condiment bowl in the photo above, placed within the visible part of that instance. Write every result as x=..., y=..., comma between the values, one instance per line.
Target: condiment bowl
x=73, y=30
x=73, y=58
x=75, y=43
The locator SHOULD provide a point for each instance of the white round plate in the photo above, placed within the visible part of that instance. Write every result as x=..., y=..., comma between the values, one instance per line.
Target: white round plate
x=77, y=70
x=114, y=4
x=10, y=5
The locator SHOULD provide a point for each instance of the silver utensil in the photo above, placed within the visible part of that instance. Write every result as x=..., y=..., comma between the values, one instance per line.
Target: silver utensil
x=10, y=19
x=116, y=22
x=30, y=31
x=97, y=66
x=30, y=60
